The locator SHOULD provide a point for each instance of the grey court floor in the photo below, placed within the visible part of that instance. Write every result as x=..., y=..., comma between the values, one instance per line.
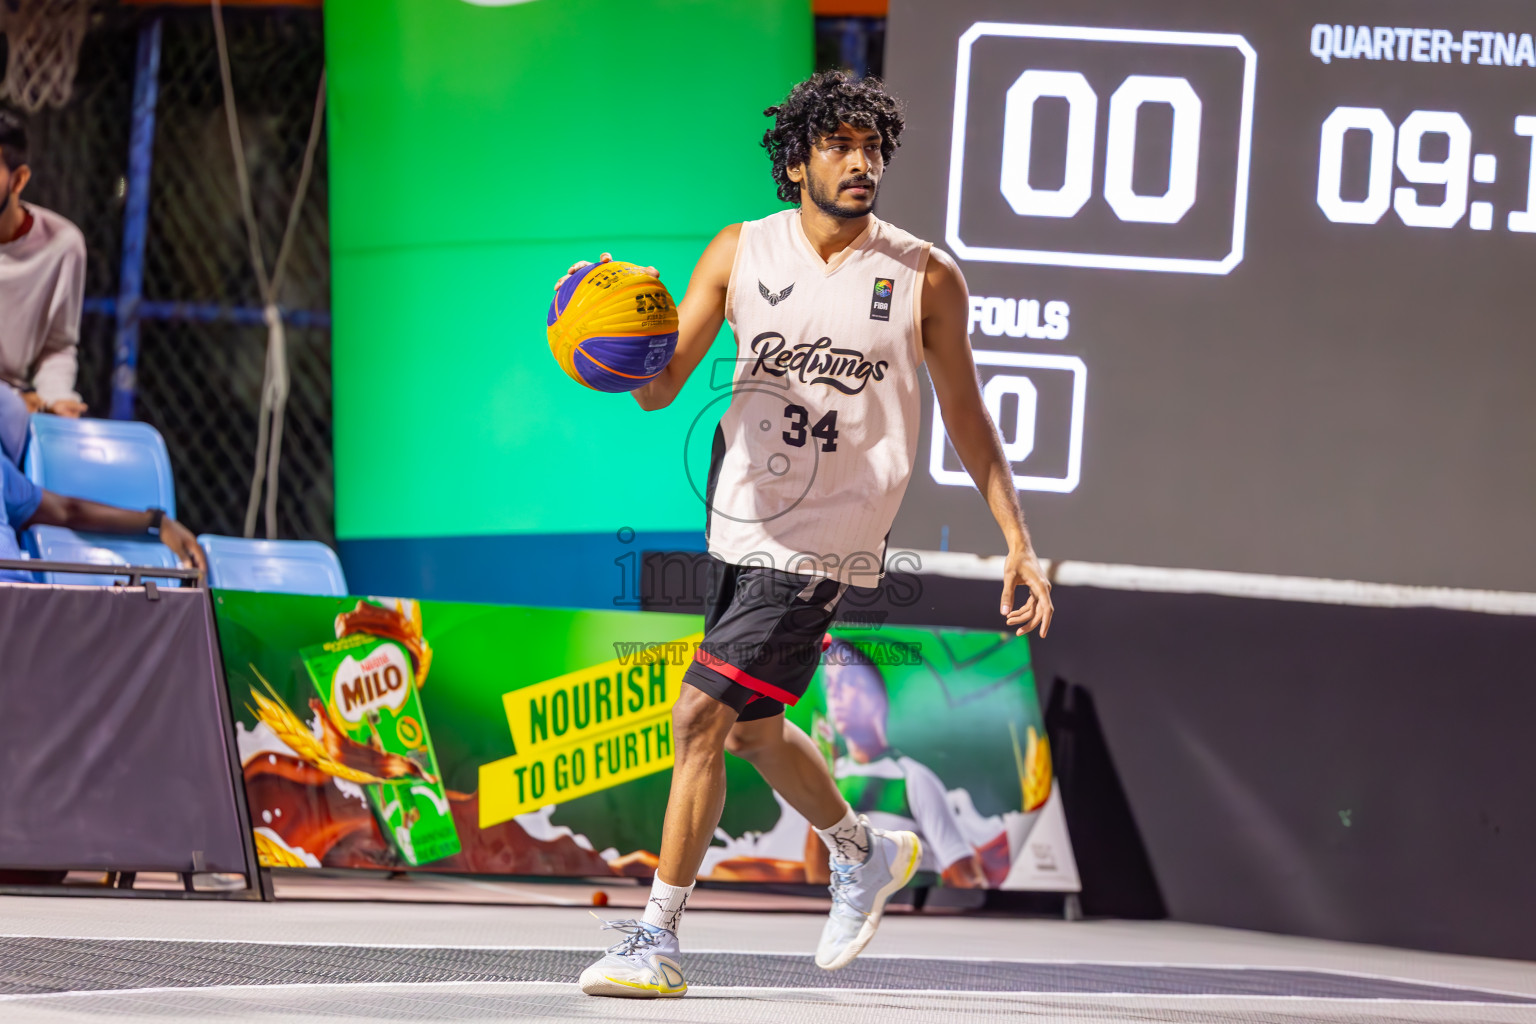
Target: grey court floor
x=81, y=959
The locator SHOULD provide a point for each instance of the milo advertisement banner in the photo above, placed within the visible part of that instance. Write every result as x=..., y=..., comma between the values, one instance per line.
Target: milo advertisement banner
x=467, y=738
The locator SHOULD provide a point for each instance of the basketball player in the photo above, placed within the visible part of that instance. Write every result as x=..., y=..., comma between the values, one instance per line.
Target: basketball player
x=834, y=311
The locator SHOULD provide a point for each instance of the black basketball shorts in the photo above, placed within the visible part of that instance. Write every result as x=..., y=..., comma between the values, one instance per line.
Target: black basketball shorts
x=764, y=633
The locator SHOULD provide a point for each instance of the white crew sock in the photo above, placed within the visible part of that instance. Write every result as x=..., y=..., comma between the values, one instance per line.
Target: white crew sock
x=665, y=907
x=848, y=840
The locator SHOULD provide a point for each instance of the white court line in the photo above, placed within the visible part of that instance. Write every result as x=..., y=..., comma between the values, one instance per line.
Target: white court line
x=355, y=945
x=203, y=989
x=748, y=992
x=1153, y=579
x=1023, y=961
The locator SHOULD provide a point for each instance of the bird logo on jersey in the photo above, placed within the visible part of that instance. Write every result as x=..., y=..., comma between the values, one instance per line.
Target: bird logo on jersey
x=774, y=300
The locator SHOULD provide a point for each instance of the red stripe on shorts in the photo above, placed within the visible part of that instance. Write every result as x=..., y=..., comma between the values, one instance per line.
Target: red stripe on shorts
x=736, y=675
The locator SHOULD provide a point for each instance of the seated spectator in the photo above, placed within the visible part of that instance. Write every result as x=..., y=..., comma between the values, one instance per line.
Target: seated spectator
x=24, y=504
x=42, y=287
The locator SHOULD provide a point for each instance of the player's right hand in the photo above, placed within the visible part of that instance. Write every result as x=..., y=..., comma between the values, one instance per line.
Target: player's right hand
x=606, y=257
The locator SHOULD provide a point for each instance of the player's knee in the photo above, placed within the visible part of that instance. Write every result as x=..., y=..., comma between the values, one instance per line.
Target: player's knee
x=751, y=740
x=700, y=724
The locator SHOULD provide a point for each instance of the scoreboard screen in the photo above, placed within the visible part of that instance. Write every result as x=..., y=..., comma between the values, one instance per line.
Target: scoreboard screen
x=1253, y=286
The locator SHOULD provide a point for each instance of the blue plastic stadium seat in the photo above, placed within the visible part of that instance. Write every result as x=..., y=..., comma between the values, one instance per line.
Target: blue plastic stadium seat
x=116, y=462
x=56, y=544
x=273, y=566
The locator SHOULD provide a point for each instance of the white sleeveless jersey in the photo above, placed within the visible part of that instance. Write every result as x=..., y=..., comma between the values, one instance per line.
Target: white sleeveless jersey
x=814, y=452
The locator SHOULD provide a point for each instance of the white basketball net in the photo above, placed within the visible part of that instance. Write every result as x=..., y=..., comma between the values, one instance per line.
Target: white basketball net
x=43, y=50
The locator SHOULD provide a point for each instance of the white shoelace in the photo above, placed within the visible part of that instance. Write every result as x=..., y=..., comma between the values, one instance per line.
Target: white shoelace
x=637, y=937
x=842, y=880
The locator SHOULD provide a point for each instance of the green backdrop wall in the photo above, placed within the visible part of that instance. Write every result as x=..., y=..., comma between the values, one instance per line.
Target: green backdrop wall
x=476, y=151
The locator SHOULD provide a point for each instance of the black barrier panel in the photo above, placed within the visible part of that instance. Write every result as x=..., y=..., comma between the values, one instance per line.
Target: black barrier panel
x=113, y=742
x=1327, y=770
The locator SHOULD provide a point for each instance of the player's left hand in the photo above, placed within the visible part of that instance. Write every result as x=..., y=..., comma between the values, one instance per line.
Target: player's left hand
x=1022, y=569
x=67, y=407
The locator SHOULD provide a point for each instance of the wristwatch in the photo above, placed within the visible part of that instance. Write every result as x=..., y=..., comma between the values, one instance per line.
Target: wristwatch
x=156, y=515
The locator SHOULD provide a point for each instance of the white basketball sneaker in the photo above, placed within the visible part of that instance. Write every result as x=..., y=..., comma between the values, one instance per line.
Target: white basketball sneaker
x=643, y=965
x=860, y=892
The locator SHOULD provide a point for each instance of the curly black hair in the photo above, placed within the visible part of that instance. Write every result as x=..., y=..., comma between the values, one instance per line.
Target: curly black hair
x=815, y=108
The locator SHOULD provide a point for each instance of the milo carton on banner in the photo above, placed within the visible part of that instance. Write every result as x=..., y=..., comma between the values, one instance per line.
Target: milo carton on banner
x=369, y=691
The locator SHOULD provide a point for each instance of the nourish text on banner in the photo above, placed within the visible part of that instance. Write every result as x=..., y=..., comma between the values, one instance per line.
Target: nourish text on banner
x=586, y=731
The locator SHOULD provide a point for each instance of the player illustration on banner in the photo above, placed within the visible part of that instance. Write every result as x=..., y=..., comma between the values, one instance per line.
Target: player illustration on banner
x=884, y=765
x=894, y=790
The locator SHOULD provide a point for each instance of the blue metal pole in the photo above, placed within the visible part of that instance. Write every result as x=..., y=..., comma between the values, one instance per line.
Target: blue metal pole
x=130, y=289
x=210, y=313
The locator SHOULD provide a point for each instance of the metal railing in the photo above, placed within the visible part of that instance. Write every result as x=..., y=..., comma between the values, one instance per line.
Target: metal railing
x=136, y=573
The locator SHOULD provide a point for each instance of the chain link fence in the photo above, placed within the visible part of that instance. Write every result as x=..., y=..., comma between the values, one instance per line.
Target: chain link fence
x=200, y=371
x=200, y=366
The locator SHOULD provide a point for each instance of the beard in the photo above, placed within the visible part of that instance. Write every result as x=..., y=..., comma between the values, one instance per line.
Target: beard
x=827, y=202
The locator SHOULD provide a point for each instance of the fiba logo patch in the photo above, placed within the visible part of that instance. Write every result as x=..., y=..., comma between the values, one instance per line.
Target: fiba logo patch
x=880, y=304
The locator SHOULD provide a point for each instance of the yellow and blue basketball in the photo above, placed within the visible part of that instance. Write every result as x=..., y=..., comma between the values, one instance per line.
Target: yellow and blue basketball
x=612, y=326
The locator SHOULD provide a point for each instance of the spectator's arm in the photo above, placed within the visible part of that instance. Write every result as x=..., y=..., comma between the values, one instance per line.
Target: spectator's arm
x=57, y=365
x=54, y=380
x=79, y=514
